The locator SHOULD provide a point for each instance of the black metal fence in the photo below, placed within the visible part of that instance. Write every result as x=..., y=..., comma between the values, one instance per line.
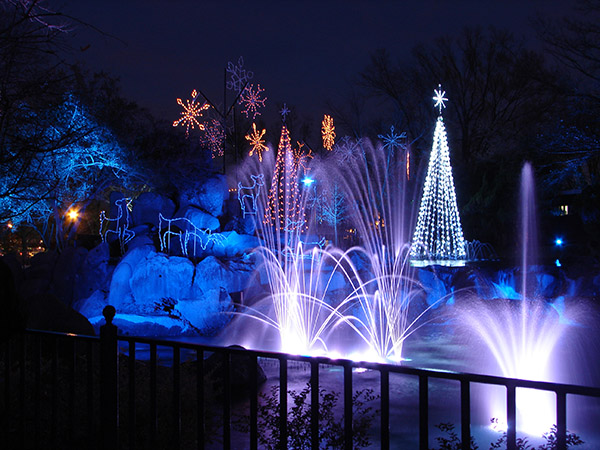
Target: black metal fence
x=69, y=391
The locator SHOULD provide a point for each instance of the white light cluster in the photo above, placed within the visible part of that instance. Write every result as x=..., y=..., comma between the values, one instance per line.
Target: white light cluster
x=438, y=234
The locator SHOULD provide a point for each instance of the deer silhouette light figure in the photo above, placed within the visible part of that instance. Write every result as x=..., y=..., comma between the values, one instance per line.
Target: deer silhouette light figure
x=250, y=192
x=183, y=229
x=121, y=224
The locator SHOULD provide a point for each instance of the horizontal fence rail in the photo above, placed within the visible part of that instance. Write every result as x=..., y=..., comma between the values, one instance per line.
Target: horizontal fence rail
x=71, y=391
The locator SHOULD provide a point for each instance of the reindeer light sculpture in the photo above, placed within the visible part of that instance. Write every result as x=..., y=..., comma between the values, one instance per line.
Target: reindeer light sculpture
x=251, y=193
x=121, y=224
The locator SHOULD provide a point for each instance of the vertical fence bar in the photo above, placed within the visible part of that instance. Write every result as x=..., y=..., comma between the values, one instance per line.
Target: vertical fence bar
x=423, y=412
x=283, y=381
x=226, y=401
x=561, y=420
x=511, y=417
x=71, y=377
x=132, y=425
x=465, y=414
x=176, y=398
x=200, y=397
x=253, y=402
x=22, y=409
x=54, y=402
x=153, y=408
x=37, y=361
x=314, y=405
x=7, y=390
x=90, y=388
x=385, y=409
x=109, y=376
x=348, y=405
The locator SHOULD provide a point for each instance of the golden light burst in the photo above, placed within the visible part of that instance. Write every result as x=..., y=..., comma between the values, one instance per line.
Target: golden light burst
x=191, y=111
x=328, y=132
x=257, y=142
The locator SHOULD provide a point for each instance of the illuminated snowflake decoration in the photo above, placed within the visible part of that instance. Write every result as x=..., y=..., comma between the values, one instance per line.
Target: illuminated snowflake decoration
x=439, y=98
x=328, y=132
x=347, y=149
x=239, y=75
x=392, y=140
x=252, y=101
x=191, y=112
x=257, y=142
x=213, y=138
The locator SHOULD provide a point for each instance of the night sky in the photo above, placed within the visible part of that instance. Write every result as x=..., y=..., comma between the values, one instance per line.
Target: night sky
x=301, y=52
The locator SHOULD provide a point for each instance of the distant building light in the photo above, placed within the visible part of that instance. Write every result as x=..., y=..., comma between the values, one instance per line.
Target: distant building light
x=564, y=210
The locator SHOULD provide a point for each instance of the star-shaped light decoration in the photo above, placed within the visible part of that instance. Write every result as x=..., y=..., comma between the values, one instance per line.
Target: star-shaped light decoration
x=439, y=98
x=257, y=142
x=191, y=112
x=284, y=112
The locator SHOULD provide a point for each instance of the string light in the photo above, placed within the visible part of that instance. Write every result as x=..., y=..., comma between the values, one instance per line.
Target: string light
x=250, y=192
x=392, y=140
x=283, y=206
x=252, y=100
x=328, y=132
x=438, y=234
x=213, y=138
x=257, y=142
x=191, y=232
x=439, y=98
x=124, y=234
x=239, y=75
x=191, y=112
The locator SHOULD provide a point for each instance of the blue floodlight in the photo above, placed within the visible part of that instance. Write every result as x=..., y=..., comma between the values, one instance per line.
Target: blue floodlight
x=558, y=242
x=557, y=263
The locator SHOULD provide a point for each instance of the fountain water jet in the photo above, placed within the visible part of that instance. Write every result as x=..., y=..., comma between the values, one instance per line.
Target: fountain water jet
x=521, y=335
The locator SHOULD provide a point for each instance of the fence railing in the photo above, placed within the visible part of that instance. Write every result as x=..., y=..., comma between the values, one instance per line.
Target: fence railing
x=71, y=391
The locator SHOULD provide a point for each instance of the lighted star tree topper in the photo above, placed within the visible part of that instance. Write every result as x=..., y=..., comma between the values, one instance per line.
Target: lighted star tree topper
x=328, y=132
x=251, y=100
x=192, y=110
x=438, y=234
x=257, y=142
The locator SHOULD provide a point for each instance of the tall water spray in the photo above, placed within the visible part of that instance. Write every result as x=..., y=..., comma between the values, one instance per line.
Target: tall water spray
x=521, y=335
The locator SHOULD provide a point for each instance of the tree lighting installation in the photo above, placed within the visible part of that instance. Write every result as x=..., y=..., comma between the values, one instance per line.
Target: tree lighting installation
x=438, y=234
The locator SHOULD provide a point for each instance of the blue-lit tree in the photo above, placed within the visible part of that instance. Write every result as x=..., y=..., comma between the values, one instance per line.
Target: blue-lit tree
x=71, y=160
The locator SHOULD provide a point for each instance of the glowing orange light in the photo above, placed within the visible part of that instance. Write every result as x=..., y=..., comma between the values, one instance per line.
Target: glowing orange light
x=72, y=214
x=9, y=225
x=257, y=142
x=328, y=132
x=407, y=165
x=191, y=112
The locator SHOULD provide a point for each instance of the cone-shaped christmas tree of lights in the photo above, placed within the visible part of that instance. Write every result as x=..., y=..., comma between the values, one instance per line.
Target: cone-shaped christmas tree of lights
x=283, y=209
x=438, y=234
